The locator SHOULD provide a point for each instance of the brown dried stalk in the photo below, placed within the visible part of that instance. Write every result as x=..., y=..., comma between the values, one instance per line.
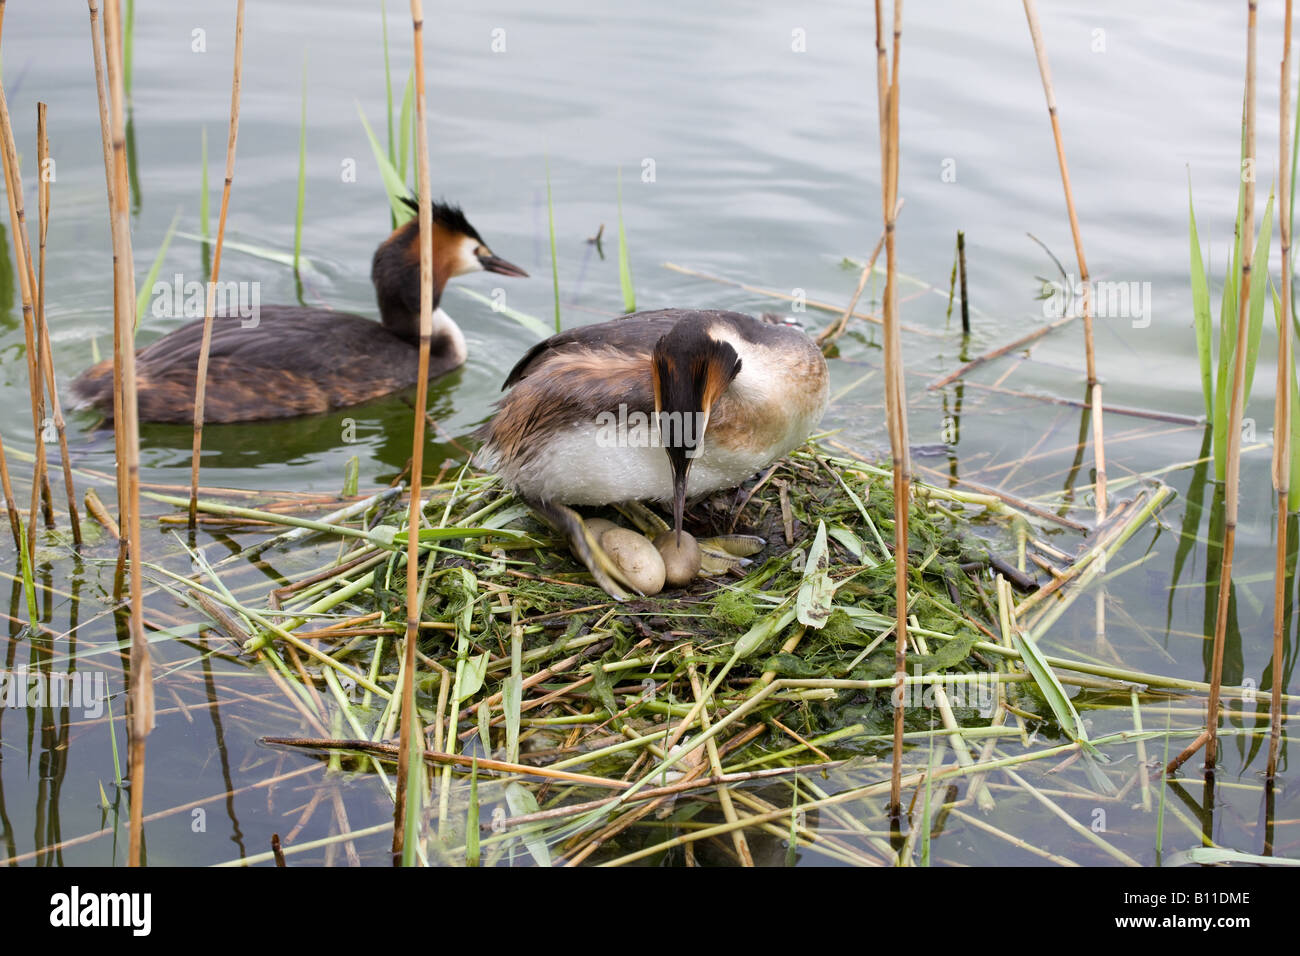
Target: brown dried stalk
x=27, y=287
x=201, y=378
x=1282, y=408
x=895, y=389
x=47, y=354
x=410, y=725
x=1090, y=358
x=15, y=523
x=119, y=436
x=140, y=691
x=833, y=332
x=1235, y=410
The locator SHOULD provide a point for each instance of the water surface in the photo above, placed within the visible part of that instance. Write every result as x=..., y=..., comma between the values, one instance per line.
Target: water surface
x=765, y=167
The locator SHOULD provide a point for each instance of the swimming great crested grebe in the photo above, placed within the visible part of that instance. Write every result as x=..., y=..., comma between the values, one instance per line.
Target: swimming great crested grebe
x=296, y=361
x=655, y=406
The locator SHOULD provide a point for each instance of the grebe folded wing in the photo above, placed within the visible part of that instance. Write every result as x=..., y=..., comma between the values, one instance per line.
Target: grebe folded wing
x=294, y=361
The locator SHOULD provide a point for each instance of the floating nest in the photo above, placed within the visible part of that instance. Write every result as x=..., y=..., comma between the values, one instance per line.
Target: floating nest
x=564, y=723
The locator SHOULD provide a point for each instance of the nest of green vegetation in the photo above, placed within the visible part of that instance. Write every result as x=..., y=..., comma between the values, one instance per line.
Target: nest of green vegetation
x=817, y=602
x=566, y=717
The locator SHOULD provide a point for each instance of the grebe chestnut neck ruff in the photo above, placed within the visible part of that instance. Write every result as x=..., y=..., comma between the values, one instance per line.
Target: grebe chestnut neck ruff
x=657, y=406
x=299, y=361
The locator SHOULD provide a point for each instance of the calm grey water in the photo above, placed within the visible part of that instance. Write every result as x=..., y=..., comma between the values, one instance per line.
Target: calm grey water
x=765, y=171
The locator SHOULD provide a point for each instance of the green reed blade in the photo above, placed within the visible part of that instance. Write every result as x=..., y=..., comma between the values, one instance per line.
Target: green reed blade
x=521, y=801
x=128, y=48
x=1290, y=212
x=146, y=290
x=1223, y=383
x=1052, y=688
x=351, y=476
x=6, y=280
x=512, y=694
x=248, y=248
x=413, y=803
x=530, y=322
x=624, y=267
x=1293, y=495
x=471, y=822
x=1293, y=492
x=926, y=823
x=29, y=582
x=1259, y=277
x=393, y=184
x=1212, y=855
x=792, y=841
x=816, y=592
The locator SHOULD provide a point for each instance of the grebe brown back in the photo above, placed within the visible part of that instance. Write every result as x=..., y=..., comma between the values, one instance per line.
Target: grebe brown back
x=656, y=406
x=298, y=361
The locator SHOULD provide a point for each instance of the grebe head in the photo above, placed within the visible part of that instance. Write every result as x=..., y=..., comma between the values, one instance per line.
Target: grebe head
x=689, y=369
x=457, y=249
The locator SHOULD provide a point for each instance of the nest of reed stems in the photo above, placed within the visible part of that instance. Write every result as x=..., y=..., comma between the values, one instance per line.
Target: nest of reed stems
x=556, y=718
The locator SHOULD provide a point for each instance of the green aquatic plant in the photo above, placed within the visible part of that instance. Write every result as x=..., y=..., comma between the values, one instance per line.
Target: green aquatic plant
x=624, y=267
x=1216, y=369
x=146, y=288
x=1293, y=488
x=128, y=48
x=393, y=185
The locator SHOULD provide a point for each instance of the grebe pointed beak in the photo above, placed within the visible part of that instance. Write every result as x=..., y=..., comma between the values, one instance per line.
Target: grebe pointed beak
x=688, y=376
x=491, y=263
x=682, y=434
x=679, y=500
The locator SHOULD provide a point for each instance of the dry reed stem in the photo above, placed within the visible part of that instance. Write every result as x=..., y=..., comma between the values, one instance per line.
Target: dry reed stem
x=1000, y=351
x=738, y=840
x=15, y=523
x=43, y=329
x=410, y=728
x=27, y=288
x=1094, y=386
x=105, y=126
x=658, y=793
x=1282, y=408
x=110, y=187
x=1232, y=492
x=201, y=379
x=140, y=692
x=1187, y=752
x=625, y=820
x=1045, y=72
x=833, y=332
x=1149, y=413
x=895, y=389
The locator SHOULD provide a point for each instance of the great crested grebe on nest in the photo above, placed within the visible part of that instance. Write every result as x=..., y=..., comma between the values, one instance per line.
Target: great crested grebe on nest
x=299, y=361
x=726, y=393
